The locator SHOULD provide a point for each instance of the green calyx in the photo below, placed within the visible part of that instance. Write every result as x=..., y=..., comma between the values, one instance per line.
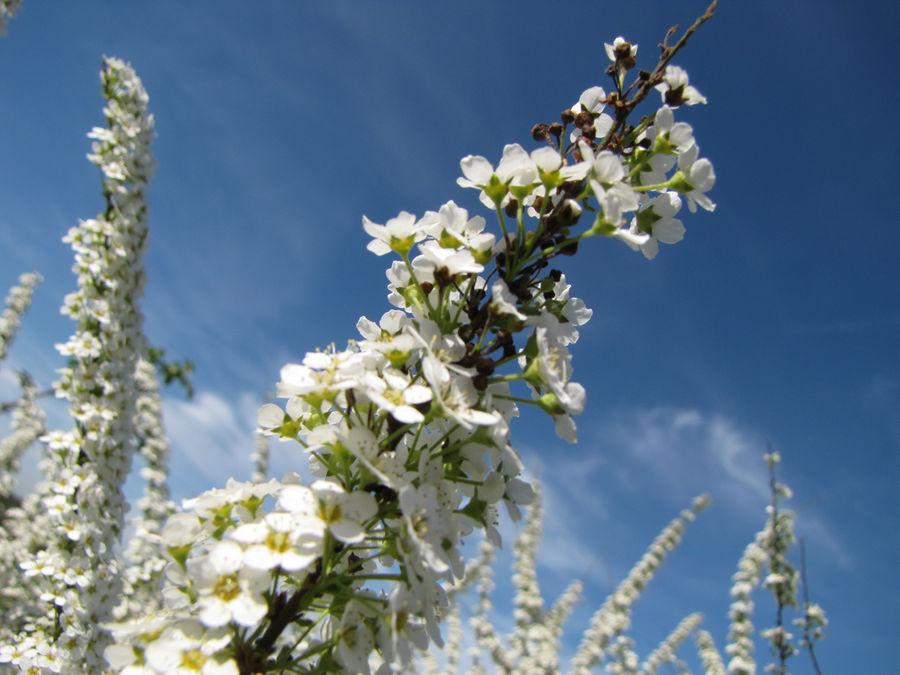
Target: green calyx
x=549, y=403
x=680, y=183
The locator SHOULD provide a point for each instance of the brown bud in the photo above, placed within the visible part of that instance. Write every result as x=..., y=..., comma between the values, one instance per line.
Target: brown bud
x=468, y=360
x=540, y=132
x=623, y=56
x=426, y=287
x=511, y=208
x=556, y=129
x=480, y=381
x=569, y=249
x=675, y=97
x=466, y=332
x=485, y=366
x=568, y=116
x=584, y=119
x=442, y=277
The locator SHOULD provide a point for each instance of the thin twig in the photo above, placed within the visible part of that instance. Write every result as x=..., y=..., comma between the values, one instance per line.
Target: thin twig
x=806, y=636
x=624, y=108
x=11, y=405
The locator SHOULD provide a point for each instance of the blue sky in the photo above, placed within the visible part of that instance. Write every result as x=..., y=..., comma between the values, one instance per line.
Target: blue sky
x=281, y=124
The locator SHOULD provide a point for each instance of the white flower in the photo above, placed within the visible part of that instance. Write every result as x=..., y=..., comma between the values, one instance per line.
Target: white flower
x=658, y=216
x=516, y=169
x=399, y=234
x=451, y=227
x=592, y=100
x=451, y=262
x=185, y=650
x=344, y=512
x=322, y=375
x=287, y=540
x=228, y=590
x=503, y=302
x=695, y=177
x=676, y=89
x=394, y=393
x=614, y=195
x=551, y=369
x=355, y=640
x=619, y=44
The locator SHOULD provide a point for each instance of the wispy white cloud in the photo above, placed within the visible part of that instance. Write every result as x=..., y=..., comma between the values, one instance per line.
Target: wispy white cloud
x=212, y=440
x=688, y=450
x=658, y=456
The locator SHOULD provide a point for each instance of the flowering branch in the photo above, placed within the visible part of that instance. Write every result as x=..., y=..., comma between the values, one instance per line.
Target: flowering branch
x=408, y=429
x=813, y=620
x=614, y=617
x=83, y=506
x=17, y=303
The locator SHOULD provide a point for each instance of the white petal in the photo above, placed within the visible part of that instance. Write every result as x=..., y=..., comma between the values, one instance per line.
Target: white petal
x=270, y=416
x=477, y=169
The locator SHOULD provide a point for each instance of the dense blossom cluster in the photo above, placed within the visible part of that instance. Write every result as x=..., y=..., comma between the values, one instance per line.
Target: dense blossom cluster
x=145, y=559
x=17, y=303
x=534, y=645
x=665, y=652
x=406, y=430
x=28, y=419
x=614, y=617
x=77, y=515
x=28, y=424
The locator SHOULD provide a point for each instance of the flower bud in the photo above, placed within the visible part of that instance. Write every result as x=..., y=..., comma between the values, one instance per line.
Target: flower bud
x=540, y=132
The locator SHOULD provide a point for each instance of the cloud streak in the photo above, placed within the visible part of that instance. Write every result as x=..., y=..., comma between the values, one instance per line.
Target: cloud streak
x=212, y=440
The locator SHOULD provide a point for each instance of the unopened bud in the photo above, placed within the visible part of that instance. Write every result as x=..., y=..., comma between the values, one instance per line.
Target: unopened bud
x=675, y=97
x=568, y=116
x=480, y=381
x=540, y=132
x=584, y=119
x=624, y=57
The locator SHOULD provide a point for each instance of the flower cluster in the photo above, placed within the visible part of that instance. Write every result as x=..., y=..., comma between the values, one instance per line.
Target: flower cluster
x=768, y=552
x=407, y=428
x=28, y=424
x=143, y=555
x=73, y=564
x=534, y=645
x=17, y=303
x=614, y=617
x=665, y=652
x=406, y=431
